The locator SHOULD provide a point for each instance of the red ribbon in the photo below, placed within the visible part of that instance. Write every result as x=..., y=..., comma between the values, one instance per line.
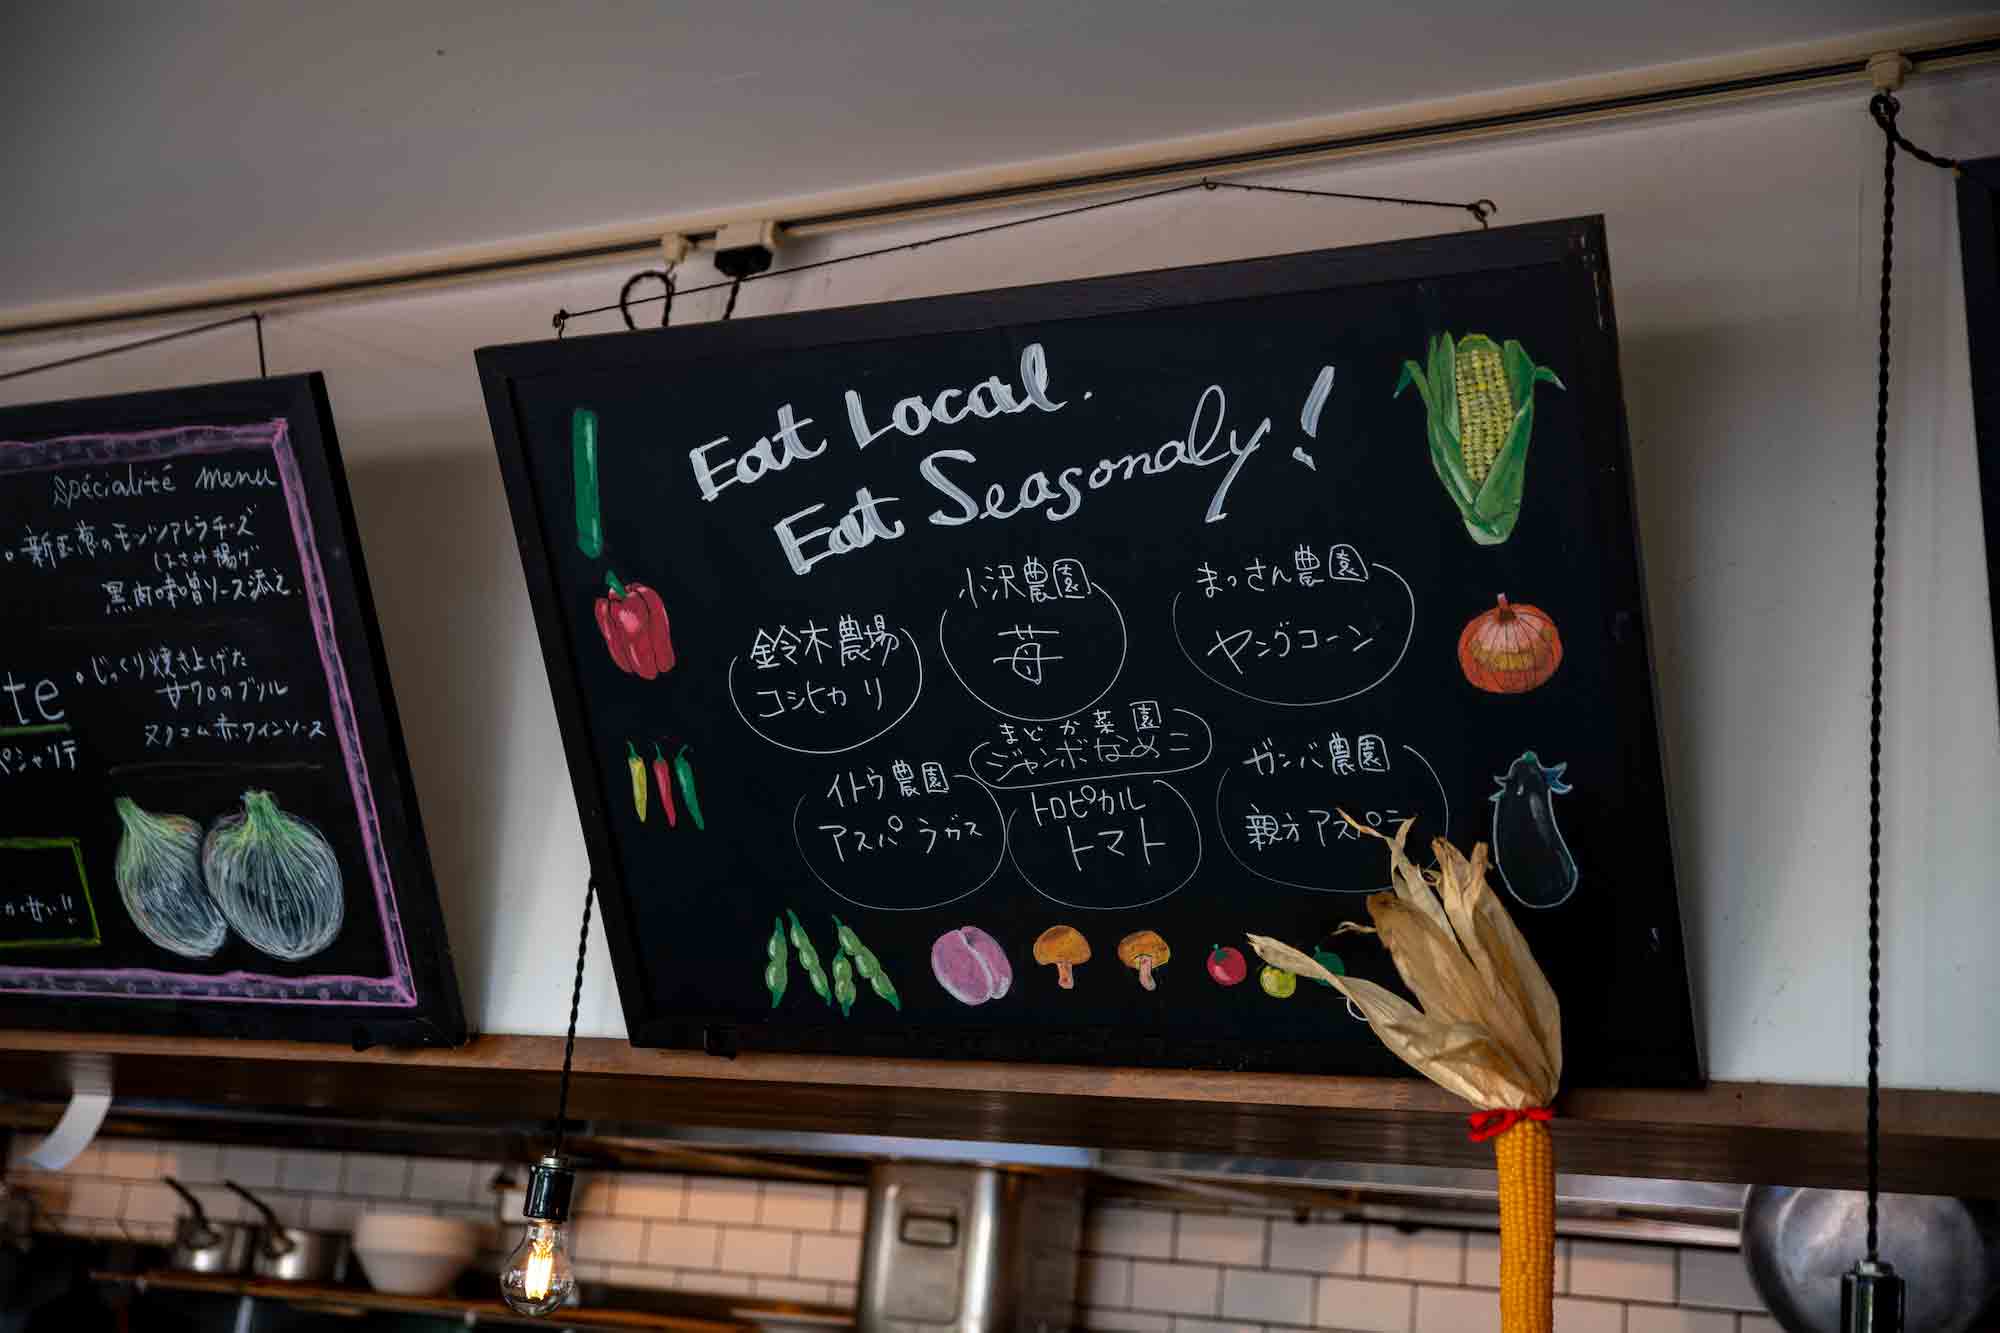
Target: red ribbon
x=1492, y=1124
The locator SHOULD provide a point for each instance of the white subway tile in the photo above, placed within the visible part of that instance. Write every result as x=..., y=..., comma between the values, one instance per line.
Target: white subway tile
x=641, y=1276
x=590, y=1271
x=310, y=1172
x=714, y=1200
x=833, y=1258
x=1757, y=1323
x=618, y=1240
x=594, y=1195
x=789, y=1289
x=148, y=1201
x=851, y=1214
x=1368, y=1307
x=1482, y=1260
x=290, y=1208
x=95, y=1199
x=1325, y=1248
x=1627, y=1272
x=715, y=1284
x=657, y=1197
x=1429, y=1255
x=1175, y=1288
x=799, y=1207
x=134, y=1159
x=149, y=1233
x=1457, y=1310
x=1104, y=1281
x=1218, y=1238
x=1717, y=1278
x=252, y=1168
x=191, y=1163
x=1182, y=1324
x=844, y=1294
x=684, y=1244
x=1671, y=1319
x=760, y=1253
x=375, y=1176
x=1142, y=1233
x=1580, y=1316
x=1267, y=1298
x=442, y=1180
x=335, y=1212
x=1123, y=1321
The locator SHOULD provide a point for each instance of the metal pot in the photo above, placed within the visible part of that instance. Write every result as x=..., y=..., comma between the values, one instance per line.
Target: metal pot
x=293, y=1254
x=202, y=1246
x=1797, y=1243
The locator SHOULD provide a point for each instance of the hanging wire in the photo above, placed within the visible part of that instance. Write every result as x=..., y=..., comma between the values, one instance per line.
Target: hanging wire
x=263, y=371
x=1481, y=209
x=153, y=341
x=1884, y=108
x=665, y=277
x=575, y=1002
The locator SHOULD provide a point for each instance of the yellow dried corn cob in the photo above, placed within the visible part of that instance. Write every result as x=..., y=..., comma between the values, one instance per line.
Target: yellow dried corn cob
x=1485, y=409
x=1527, y=1162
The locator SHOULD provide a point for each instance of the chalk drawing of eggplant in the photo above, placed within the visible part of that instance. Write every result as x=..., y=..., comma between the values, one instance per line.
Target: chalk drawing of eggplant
x=1528, y=848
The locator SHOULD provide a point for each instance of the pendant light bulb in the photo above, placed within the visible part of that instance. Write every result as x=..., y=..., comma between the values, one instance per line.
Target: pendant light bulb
x=539, y=1276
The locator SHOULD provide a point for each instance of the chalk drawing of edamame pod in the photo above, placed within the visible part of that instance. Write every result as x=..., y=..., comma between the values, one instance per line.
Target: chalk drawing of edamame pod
x=1528, y=848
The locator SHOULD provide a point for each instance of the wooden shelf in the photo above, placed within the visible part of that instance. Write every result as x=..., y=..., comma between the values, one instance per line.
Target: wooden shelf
x=1933, y=1142
x=725, y=1316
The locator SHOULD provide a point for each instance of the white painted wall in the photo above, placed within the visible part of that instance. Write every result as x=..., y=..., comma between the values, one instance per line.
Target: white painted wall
x=1743, y=246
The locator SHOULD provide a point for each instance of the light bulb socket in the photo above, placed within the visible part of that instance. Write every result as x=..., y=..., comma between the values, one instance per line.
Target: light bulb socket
x=1871, y=1298
x=551, y=1184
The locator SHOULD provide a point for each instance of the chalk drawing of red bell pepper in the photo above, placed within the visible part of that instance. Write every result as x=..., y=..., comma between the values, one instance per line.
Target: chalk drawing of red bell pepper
x=634, y=624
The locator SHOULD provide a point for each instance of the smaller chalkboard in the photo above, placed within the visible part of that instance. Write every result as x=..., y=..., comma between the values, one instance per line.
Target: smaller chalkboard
x=207, y=823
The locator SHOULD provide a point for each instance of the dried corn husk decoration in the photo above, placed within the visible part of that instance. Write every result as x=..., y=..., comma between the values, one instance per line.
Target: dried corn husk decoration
x=1488, y=1030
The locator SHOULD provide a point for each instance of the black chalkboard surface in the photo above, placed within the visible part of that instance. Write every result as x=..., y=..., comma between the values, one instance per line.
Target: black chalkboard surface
x=208, y=825
x=911, y=653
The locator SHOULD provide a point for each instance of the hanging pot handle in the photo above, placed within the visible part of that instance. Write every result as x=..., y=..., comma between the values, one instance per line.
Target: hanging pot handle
x=202, y=1232
x=277, y=1237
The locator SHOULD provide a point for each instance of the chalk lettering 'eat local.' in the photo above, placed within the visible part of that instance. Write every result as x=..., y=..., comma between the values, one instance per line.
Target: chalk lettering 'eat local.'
x=806, y=538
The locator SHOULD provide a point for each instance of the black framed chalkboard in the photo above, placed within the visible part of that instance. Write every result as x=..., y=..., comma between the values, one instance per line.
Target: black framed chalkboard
x=209, y=825
x=965, y=677
x=1979, y=253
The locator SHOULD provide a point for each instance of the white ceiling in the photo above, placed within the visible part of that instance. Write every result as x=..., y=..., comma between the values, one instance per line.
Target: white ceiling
x=151, y=144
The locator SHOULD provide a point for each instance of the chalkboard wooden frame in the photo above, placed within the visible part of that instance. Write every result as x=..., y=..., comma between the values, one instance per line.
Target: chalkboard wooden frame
x=1667, y=1056
x=417, y=1002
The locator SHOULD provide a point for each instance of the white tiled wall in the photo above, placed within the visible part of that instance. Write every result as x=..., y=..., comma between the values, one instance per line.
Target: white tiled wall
x=1147, y=1269
x=692, y=1233
x=1162, y=1270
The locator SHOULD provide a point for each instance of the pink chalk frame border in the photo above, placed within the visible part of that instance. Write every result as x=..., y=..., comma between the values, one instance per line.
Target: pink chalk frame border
x=398, y=990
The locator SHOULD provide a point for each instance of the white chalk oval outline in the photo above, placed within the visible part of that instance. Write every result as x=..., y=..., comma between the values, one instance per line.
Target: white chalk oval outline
x=1314, y=888
x=1124, y=647
x=1174, y=615
x=999, y=817
x=1207, y=731
x=1200, y=850
x=901, y=634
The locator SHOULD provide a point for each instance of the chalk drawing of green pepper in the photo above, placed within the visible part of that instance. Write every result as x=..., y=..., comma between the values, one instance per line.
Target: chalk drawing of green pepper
x=684, y=773
x=867, y=964
x=1528, y=848
x=809, y=958
x=778, y=964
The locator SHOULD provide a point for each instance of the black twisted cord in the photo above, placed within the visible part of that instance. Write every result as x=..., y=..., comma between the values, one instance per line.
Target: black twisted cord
x=1883, y=107
x=1481, y=210
x=575, y=1001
